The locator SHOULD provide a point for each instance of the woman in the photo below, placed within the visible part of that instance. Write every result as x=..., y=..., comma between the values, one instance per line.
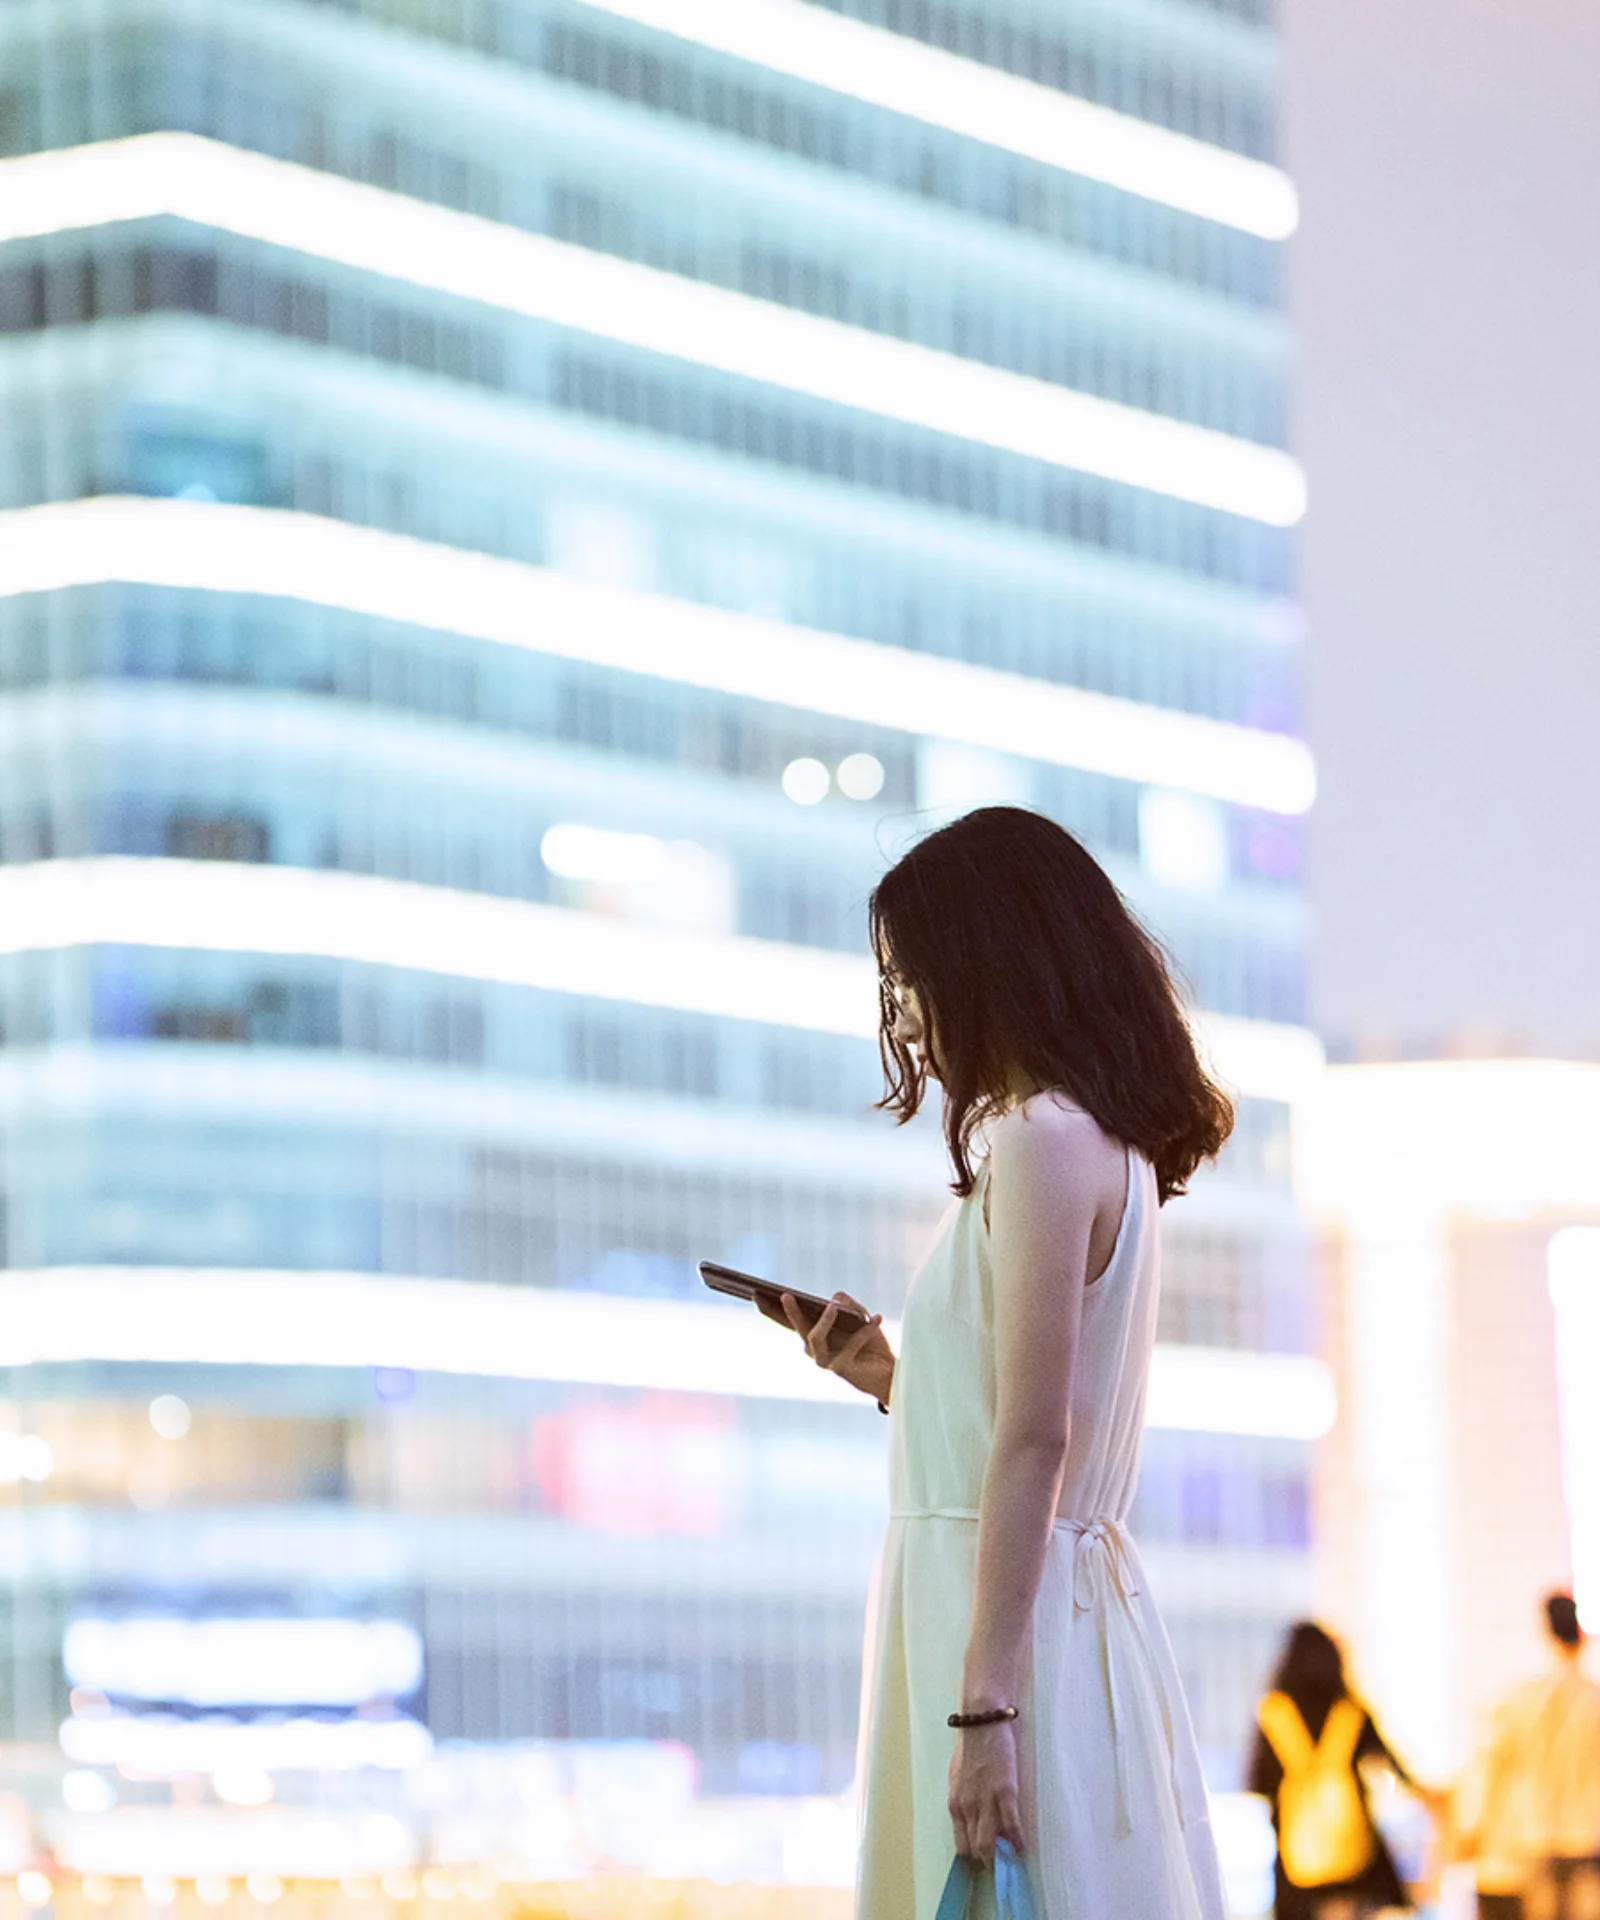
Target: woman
x=1311, y=1707
x=1009, y=1593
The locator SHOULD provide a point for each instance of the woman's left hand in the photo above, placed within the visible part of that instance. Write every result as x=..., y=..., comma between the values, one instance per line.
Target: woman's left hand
x=985, y=1805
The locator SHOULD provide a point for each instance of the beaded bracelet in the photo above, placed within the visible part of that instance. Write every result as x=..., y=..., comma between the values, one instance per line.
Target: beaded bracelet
x=990, y=1717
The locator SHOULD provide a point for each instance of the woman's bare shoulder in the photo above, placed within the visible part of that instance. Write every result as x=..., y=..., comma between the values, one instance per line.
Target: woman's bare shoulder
x=1048, y=1136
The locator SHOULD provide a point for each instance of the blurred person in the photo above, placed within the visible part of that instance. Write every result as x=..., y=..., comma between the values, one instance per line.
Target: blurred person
x=1312, y=1735
x=1529, y=1808
x=1019, y=1685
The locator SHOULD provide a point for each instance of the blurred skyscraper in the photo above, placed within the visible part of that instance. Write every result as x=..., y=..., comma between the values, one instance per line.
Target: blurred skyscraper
x=513, y=510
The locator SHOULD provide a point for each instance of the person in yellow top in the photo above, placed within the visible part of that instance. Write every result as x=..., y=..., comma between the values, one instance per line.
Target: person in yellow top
x=1312, y=1734
x=1528, y=1809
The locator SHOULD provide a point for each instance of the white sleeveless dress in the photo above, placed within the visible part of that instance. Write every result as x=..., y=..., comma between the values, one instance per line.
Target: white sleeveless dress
x=1113, y=1801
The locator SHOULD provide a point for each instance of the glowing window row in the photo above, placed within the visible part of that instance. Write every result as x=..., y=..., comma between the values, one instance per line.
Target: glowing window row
x=441, y=834
x=787, y=552
x=444, y=836
x=671, y=77
x=582, y=1658
x=301, y=1195
x=1216, y=97
x=321, y=1006
x=152, y=635
x=327, y=306
x=225, y=1000
x=1130, y=70
x=307, y=1196
x=649, y=1465
x=539, y=1652
x=144, y=634
x=127, y=77
x=207, y=546
x=1197, y=378
x=643, y=309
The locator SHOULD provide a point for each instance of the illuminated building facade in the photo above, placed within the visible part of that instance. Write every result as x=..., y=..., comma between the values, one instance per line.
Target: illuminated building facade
x=510, y=512
x=1461, y=1205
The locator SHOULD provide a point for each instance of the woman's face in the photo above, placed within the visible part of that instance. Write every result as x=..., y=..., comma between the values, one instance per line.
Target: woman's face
x=911, y=1025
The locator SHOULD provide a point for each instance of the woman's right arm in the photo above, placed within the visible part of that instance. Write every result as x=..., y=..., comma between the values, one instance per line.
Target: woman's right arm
x=1373, y=1746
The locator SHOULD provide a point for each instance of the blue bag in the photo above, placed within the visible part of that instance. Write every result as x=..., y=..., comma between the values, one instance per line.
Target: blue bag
x=1011, y=1893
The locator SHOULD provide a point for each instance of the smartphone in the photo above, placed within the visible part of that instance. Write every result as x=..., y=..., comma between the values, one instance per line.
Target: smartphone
x=768, y=1296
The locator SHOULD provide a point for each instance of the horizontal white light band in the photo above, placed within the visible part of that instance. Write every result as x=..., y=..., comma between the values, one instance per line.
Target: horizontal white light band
x=1287, y=1396
x=167, y=1084
x=192, y=1316
x=220, y=907
x=941, y=89
x=256, y=1662
x=389, y=576
x=1397, y=1142
x=222, y=1844
x=1266, y=1059
x=179, y=1084
x=156, y=1745
x=470, y=258
x=178, y=1316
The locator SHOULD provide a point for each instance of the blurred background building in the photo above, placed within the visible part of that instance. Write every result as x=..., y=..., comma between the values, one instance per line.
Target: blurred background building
x=513, y=512
x=1460, y=1200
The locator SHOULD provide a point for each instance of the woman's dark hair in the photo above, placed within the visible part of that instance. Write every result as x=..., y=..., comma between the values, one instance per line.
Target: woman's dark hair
x=1561, y=1613
x=1026, y=961
x=1311, y=1672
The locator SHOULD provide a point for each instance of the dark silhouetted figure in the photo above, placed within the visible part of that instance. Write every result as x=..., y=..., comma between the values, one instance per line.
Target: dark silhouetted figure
x=1311, y=1735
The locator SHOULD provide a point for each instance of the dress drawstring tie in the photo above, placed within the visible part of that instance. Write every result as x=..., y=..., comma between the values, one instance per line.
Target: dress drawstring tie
x=1102, y=1567
x=1104, y=1572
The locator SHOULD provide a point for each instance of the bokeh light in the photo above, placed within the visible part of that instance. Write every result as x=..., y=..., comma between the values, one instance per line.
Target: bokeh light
x=806, y=781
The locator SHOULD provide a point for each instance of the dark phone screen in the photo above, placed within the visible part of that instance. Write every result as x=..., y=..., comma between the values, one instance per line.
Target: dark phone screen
x=768, y=1296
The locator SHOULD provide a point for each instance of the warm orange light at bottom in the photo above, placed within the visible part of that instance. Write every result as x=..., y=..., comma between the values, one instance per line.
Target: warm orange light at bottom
x=603, y=1897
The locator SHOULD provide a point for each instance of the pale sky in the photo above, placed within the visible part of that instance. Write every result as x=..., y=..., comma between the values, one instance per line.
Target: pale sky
x=1447, y=301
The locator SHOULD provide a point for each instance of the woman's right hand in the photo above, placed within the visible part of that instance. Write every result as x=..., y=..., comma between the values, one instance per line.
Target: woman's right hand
x=864, y=1358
